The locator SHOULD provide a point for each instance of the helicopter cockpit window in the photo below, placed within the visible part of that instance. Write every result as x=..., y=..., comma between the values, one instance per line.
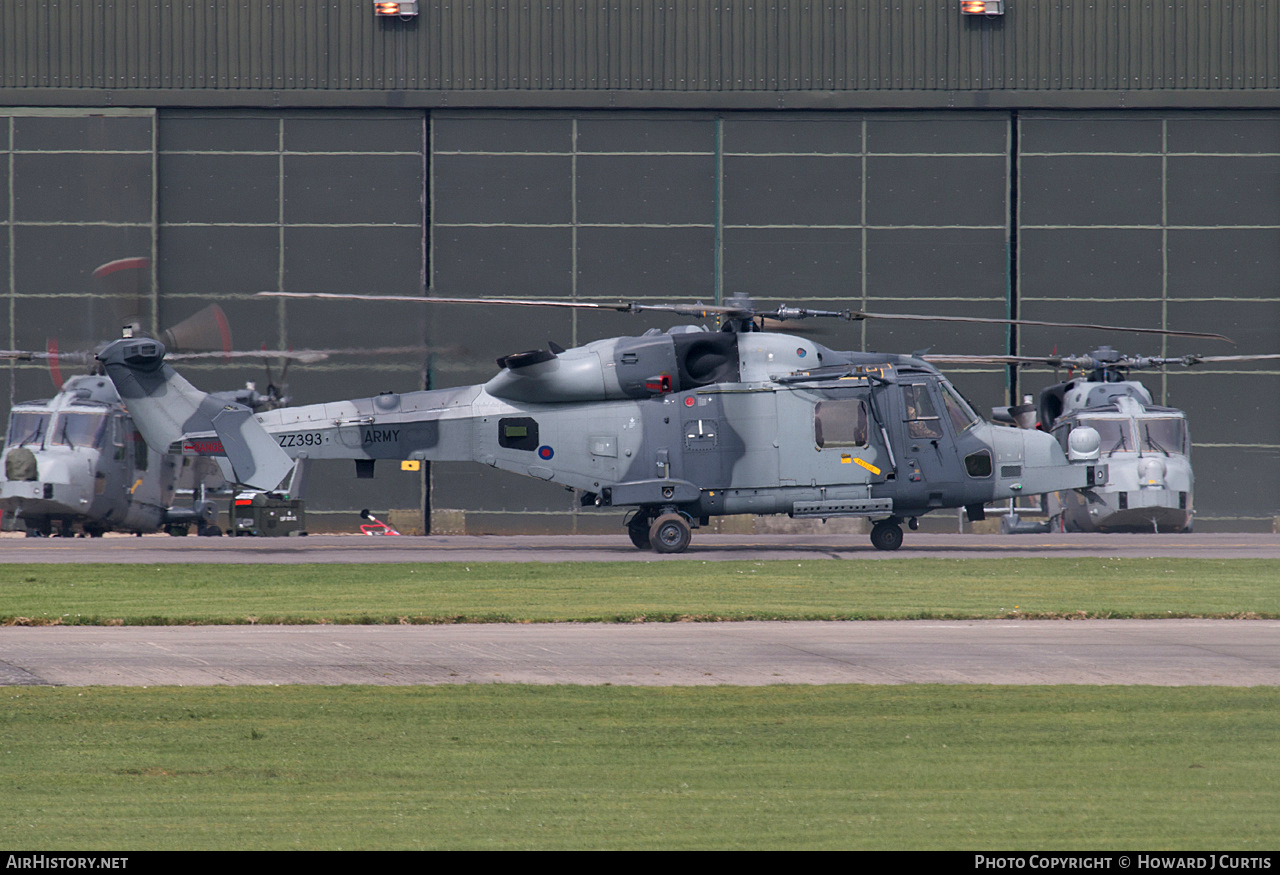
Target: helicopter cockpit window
x=79, y=429
x=1114, y=434
x=840, y=423
x=518, y=433
x=922, y=416
x=958, y=409
x=27, y=428
x=1166, y=436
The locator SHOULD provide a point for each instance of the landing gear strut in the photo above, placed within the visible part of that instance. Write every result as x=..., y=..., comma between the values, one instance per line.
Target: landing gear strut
x=886, y=535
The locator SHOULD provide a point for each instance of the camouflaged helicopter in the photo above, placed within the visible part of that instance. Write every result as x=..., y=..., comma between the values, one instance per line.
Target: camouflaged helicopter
x=1146, y=446
x=680, y=425
x=75, y=464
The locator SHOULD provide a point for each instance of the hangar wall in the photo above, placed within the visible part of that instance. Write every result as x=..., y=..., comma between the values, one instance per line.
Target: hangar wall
x=639, y=53
x=1069, y=160
x=1167, y=220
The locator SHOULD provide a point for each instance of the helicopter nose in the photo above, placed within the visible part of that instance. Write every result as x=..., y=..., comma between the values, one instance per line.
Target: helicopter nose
x=1151, y=473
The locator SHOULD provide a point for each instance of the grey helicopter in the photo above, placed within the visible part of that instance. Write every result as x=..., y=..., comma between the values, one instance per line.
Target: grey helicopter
x=1146, y=446
x=679, y=425
x=74, y=464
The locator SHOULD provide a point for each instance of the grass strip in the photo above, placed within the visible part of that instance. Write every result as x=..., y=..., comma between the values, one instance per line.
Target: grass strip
x=495, y=766
x=639, y=592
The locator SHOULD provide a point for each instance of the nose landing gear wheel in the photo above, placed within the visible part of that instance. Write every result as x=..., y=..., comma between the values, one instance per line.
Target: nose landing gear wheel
x=886, y=535
x=670, y=534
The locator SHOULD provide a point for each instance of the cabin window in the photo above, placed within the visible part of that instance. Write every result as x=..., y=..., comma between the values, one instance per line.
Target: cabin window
x=922, y=417
x=840, y=423
x=518, y=433
x=978, y=464
x=79, y=429
x=27, y=428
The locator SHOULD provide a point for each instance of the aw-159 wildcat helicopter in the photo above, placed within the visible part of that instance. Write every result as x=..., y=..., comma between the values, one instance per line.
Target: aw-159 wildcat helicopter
x=74, y=463
x=682, y=425
x=1146, y=447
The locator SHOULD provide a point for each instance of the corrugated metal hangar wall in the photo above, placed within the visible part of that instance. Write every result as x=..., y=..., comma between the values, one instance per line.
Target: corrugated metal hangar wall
x=1068, y=161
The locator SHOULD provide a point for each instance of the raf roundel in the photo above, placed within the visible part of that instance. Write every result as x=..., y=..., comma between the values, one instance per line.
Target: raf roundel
x=545, y=452
x=800, y=352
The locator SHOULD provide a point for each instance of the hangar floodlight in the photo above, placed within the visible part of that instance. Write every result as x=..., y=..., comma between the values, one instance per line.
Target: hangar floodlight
x=405, y=9
x=982, y=7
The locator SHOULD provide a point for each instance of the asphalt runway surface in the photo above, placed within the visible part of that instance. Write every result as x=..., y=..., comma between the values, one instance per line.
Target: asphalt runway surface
x=153, y=549
x=1160, y=652
x=1173, y=652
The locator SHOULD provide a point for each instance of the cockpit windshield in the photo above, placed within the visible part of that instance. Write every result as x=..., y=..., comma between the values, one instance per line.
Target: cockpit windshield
x=1166, y=436
x=1114, y=433
x=27, y=428
x=958, y=408
x=79, y=429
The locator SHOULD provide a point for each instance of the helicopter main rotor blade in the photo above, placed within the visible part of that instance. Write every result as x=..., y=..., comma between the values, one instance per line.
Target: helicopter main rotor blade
x=1166, y=332
x=944, y=359
x=1088, y=362
x=309, y=356
x=1201, y=359
x=741, y=311
x=630, y=307
x=27, y=355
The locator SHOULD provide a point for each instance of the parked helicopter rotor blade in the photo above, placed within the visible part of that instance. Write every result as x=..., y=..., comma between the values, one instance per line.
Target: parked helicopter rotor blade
x=1089, y=362
x=742, y=310
x=1201, y=359
x=309, y=356
x=1165, y=332
x=944, y=359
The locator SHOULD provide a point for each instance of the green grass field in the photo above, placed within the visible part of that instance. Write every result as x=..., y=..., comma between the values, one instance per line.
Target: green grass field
x=500, y=766
x=493, y=766
x=632, y=591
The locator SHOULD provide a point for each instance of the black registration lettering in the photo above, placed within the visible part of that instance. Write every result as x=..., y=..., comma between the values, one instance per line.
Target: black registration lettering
x=301, y=439
x=381, y=435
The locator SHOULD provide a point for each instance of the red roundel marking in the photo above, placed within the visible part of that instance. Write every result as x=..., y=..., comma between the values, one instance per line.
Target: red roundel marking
x=689, y=402
x=546, y=452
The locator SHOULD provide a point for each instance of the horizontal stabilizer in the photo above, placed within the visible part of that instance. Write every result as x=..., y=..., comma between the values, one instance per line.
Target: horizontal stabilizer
x=255, y=456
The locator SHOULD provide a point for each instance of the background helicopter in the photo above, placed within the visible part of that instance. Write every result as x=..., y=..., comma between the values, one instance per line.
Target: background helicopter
x=1146, y=447
x=75, y=464
x=681, y=425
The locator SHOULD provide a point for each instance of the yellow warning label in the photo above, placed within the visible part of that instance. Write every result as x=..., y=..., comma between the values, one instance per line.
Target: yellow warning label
x=410, y=465
x=870, y=467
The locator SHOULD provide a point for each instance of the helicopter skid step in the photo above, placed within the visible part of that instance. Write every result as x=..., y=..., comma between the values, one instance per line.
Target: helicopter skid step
x=824, y=509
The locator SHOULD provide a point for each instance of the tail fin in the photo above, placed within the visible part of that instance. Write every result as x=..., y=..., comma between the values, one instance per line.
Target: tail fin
x=167, y=409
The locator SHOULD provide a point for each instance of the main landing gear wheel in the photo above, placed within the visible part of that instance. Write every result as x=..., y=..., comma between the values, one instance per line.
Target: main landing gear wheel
x=670, y=534
x=886, y=535
x=638, y=532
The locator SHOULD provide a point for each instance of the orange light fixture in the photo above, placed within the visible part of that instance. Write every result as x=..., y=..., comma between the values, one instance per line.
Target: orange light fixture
x=402, y=9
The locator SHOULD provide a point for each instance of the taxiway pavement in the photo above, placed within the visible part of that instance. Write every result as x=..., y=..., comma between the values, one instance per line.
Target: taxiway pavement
x=154, y=549
x=1159, y=652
